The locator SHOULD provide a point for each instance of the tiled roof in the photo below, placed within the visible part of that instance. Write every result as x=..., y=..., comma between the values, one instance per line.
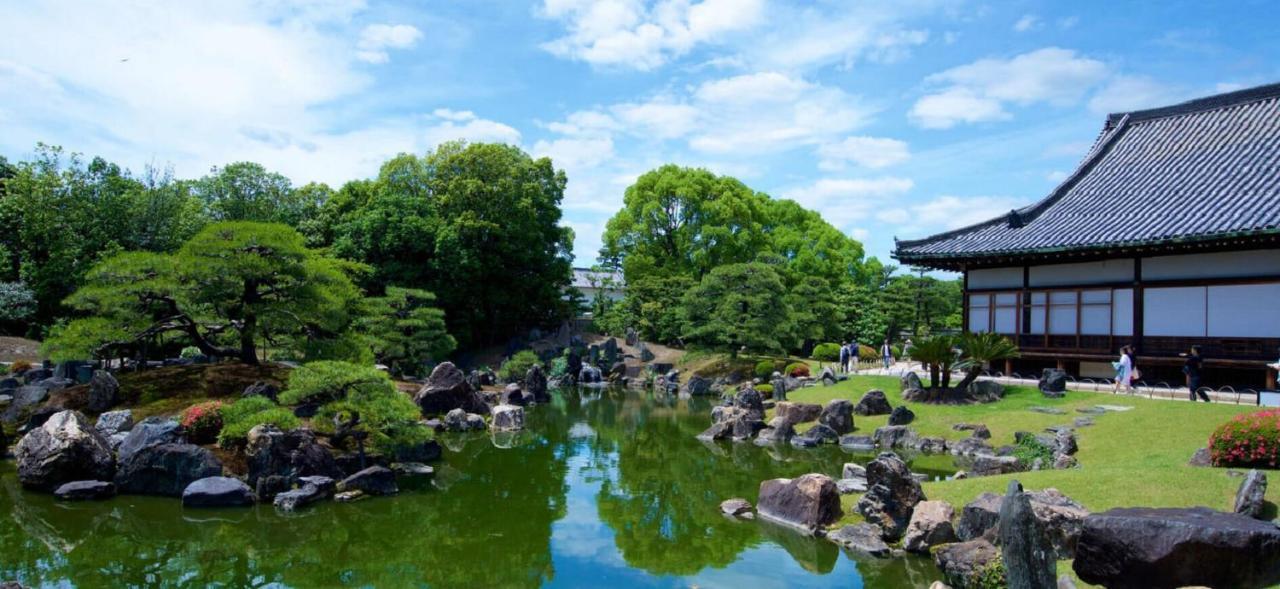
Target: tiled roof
x=588, y=278
x=1208, y=169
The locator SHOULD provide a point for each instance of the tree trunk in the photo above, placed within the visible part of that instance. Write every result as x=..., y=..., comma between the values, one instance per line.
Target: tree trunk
x=249, y=329
x=969, y=376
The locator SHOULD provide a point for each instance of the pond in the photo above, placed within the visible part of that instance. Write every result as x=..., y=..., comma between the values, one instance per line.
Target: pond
x=606, y=488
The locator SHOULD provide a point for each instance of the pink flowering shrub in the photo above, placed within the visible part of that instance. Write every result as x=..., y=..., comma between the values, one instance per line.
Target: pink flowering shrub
x=202, y=422
x=1250, y=439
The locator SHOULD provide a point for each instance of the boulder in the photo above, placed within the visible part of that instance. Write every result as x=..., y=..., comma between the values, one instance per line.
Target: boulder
x=165, y=469
x=851, y=486
x=932, y=445
x=590, y=375
x=721, y=430
x=412, y=468
x=104, y=391
x=217, y=492
x=62, y=450
x=963, y=563
x=1064, y=442
x=447, y=389
x=457, y=420
x=986, y=465
x=1251, y=495
x=375, y=480
x=1177, y=547
x=646, y=355
x=149, y=432
x=261, y=389
x=901, y=416
x=508, y=418
x=1059, y=517
x=278, y=460
x=697, y=386
x=617, y=371
x=736, y=508
x=794, y=413
x=1028, y=556
x=114, y=422
x=808, y=502
x=748, y=399
x=535, y=383
x=781, y=434
x=894, y=436
x=853, y=471
x=512, y=395
x=863, y=537
x=23, y=398
x=911, y=381
x=986, y=391
x=310, y=490
x=817, y=435
x=85, y=491
x=930, y=525
x=873, y=402
x=838, y=415
x=977, y=430
x=1201, y=458
x=858, y=443
x=970, y=447
x=892, y=495
x=1053, y=382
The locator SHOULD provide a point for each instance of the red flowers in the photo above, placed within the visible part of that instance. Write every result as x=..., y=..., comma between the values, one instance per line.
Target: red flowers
x=203, y=421
x=1250, y=439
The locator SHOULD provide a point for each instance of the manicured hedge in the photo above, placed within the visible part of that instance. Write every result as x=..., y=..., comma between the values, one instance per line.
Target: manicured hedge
x=826, y=352
x=797, y=369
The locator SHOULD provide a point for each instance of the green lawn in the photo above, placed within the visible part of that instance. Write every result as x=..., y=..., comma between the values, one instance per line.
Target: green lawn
x=1131, y=458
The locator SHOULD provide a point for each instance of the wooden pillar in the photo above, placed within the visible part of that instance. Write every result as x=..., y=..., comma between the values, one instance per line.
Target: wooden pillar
x=1008, y=366
x=964, y=303
x=1137, y=304
x=1271, y=378
x=1062, y=365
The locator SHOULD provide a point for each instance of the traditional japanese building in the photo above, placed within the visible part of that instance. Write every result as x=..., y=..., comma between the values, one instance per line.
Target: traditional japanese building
x=1166, y=235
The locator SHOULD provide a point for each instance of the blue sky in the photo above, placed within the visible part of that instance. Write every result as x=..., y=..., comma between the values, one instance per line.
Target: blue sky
x=892, y=119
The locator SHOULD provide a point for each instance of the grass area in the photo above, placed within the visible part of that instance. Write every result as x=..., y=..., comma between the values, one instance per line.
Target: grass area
x=169, y=390
x=1128, y=458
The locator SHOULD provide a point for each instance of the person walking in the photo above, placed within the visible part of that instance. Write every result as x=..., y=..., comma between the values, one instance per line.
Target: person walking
x=1124, y=370
x=886, y=353
x=1193, y=367
x=844, y=358
x=853, y=356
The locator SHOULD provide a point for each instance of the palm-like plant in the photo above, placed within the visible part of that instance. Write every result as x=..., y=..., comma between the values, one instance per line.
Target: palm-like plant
x=939, y=354
x=979, y=350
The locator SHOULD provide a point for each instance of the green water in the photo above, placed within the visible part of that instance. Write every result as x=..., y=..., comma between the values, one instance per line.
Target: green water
x=605, y=489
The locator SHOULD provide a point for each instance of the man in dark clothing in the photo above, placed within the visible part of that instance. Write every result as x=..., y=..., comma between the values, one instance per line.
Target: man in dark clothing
x=1193, y=368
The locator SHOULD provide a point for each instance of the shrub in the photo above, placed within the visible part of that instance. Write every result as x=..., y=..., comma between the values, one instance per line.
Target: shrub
x=765, y=390
x=240, y=417
x=764, y=369
x=387, y=417
x=826, y=352
x=1249, y=439
x=1030, y=448
x=203, y=421
x=797, y=369
x=867, y=353
x=327, y=380
x=516, y=366
x=19, y=366
x=559, y=366
x=190, y=352
x=991, y=576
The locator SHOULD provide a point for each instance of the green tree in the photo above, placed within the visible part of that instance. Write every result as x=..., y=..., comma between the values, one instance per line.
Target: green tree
x=859, y=314
x=233, y=284
x=364, y=395
x=406, y=330
x=979, y=351
x=812, y=307
x=738, y=306
x=246, y=191
x=652, y=306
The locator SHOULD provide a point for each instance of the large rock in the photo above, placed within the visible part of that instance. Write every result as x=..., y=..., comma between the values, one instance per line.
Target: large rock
x=375, y=480
x=85, y=491
x=838, y=415
x=512, y=394
x=963, y=563
x=794, y=413
x=278, y=460
x=901, y=416
x=1251, y=495
x=815, y=436
x=748, y=399
x=737, y=507
x=535, y=383
x=930, y=526
x=508, y=418
x=1177, y=547
x=863, y=537
x=970, y=447
x=911, y=381
x=1060, y=517
x=104, y=391
x=858, y=443
x=894, y=436
x=986, y=391
x=24, y=397
x=166, y=469
x=114, y=422
x=697, y=386
x=217, y=492
x=64, y=449
x=1029, y=559
x=447, y=389
x=1053, y=382
x=781, y=434
x=310, y=490
x=985, y=465
x=151, y=431
x=261, y=388
x=892, y=495
x=873, y=402
x=808, y=502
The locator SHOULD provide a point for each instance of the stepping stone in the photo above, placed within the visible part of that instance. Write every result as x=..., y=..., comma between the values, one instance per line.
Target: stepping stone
x=1083, y=421
x=1047, y=410
x=1115, y=407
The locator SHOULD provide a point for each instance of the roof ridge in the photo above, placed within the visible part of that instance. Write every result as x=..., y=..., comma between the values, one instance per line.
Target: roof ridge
x=1204, y=103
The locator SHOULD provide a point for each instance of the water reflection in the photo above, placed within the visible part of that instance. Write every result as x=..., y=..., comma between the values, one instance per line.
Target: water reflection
x=605, y=488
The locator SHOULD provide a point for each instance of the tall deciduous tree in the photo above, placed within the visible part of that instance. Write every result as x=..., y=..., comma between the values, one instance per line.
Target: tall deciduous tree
x=246, y=191
x=230, y=286
x=738, y=306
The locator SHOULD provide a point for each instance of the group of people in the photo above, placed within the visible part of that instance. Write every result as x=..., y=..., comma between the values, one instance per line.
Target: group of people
x=849, y=355
x=1127, y=372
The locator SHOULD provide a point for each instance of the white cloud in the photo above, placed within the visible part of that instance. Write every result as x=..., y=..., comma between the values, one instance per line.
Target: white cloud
x=844, y=201
x=811, y=35
x=1056, y=176
x=643, y=35
x=1027, y=23
x=951, y=212
x=467, y=126
x=375, y=40
x=576, y=154
x=1126, y=93
x=1068, y=22
x=978, y=91
x=868, y=152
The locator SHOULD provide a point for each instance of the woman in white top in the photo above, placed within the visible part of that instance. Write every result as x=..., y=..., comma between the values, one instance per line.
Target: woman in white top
x=1124, y=370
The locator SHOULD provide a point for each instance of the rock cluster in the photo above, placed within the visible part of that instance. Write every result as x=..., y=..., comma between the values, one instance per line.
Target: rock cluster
x=447, y=389
x=892, y=495
x=66, y=448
